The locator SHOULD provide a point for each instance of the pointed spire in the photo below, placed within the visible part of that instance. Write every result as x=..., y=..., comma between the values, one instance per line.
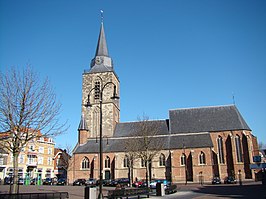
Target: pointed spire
x=82, y=124
x=102, y=45
x=101, y=62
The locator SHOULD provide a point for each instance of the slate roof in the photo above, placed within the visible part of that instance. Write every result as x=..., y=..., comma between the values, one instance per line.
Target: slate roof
x=101, y=68
x=82, y=124
x=131, y=129
x=199, y=140
x=185, y=128
x=206, y=119
x=102, y=49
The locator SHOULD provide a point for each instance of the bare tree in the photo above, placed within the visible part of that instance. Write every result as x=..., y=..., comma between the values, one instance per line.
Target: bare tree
x=28, y=106
x=131, y=156
x=146, y=143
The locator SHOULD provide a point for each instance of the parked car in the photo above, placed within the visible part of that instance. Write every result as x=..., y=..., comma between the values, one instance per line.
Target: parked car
x=140, y=183
x=91, y=182
x=229, y=180
x=216, y=180
x=105, y=182
x=121, y=181
x=33, y=181
x=21, y=181
x=8, y=180
x=154, y=182
x=79, y=182
x=61, y=181
x=48, y=181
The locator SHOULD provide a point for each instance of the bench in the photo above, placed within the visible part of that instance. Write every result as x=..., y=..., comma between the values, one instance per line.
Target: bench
x=171, y=189
x=120, y=193
x=50, y=195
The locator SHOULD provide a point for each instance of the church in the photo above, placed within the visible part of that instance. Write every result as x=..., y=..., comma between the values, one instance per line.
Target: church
x=197, y=142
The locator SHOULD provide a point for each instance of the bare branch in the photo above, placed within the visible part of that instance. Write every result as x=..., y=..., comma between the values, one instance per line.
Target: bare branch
x=28, y=110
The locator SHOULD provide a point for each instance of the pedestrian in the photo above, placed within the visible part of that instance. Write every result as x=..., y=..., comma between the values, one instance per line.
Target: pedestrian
x=200, y=178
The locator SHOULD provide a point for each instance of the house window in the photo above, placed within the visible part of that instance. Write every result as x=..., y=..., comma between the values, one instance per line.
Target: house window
x=31, y=159
x=143, y=163
x=49, y=150
x=220, y=149
x=85, y=163
x=202, y=159
x=48, y=173
x=238, y=149
x=183, y=160
x=10, y=171
x=107, y=163
x=49, y=161
x=20, y=173
x=97, y=90
x=126, y=161
x=162, y=160
x=40, y=160
x=21, y=159
x=41, y=149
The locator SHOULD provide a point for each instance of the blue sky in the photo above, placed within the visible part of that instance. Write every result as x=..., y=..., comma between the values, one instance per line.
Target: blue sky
x=168, y=54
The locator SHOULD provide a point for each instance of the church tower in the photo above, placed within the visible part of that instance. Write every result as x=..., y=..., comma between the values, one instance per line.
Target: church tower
x=100, y=79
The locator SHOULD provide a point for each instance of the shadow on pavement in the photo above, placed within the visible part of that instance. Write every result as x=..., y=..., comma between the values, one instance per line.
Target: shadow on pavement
x=234, y=191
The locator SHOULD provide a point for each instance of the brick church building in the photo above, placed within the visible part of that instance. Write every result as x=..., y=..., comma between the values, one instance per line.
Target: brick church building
x=204, y=141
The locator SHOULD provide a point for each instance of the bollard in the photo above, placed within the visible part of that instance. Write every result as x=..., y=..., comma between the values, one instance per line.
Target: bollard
x=160, y=189
x=90, y=192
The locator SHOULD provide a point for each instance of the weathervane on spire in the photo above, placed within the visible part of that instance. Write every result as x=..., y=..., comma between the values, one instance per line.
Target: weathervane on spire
x=102, y=16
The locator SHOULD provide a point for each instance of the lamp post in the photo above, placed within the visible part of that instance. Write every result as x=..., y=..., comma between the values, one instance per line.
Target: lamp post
x=101, y=125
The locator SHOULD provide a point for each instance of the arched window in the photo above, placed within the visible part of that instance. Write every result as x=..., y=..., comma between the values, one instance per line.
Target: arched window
x=220, y=149
x=85, y=163
x=126, y=161
x=162, y=160
x=238, y=149
x=202, y=159
x=107, y=163
x=183, y=160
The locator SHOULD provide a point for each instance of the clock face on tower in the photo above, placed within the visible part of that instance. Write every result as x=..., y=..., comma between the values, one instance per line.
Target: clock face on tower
x=98, y=60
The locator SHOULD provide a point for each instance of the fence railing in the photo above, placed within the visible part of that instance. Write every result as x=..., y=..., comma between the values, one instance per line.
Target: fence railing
x=51, y=195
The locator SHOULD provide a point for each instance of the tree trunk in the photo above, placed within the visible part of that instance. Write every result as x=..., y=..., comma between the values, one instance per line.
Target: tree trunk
x=131, y=175
x=14, y=188
x=147, y=174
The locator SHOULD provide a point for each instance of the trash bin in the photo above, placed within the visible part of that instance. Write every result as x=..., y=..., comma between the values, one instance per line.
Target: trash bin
x=160, y=189
x=90, y=192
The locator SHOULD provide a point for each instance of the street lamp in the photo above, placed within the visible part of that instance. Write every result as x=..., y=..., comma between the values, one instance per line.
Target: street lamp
x=88, y=104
